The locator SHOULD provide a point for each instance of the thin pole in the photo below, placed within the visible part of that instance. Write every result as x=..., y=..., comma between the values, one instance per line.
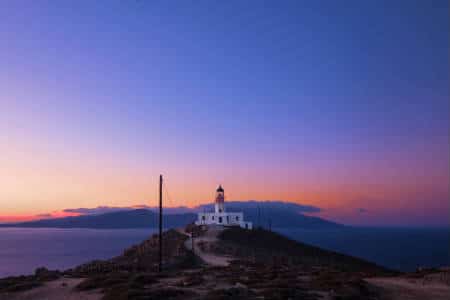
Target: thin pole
x=160, y=222
x=192, y=239
x=257, y=210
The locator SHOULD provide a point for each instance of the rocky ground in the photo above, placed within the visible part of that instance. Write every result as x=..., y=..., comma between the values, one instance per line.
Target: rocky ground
x=423, y=284
x=227, y=264
x=59, y=289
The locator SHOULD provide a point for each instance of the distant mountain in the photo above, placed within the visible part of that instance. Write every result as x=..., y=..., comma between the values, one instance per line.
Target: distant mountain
x=264, y=206
x=143, y=218
x=277, y=214
x=138, y=218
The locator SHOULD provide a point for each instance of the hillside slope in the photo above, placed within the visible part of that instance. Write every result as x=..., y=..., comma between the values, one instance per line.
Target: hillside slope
x=273, y=248
x=262, y=265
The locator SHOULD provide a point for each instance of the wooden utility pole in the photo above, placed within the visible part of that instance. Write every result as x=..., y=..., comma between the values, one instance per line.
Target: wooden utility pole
x=160, y=222
x=257, y=210
x=192, y=239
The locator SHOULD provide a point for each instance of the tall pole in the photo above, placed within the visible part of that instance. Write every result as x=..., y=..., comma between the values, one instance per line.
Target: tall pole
x=160, y=222
x=192, y=239
x=257, y=210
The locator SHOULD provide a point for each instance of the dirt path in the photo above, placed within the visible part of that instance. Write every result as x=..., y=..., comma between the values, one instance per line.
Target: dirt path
x=61, y=289
x=208, y=238
x=409, y=289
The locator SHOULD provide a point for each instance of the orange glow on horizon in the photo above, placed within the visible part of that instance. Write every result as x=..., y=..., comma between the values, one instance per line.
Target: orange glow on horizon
x=36, y=181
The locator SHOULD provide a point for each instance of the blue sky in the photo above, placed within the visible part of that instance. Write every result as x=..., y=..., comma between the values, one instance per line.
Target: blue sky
x=325, y=95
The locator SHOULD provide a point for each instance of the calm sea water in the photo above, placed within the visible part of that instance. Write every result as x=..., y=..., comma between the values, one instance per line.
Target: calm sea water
x=403, y=249
x=22, y=250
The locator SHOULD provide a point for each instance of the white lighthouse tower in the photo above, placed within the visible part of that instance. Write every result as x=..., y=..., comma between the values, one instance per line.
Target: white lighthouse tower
x=219, y=205
x=220, y=216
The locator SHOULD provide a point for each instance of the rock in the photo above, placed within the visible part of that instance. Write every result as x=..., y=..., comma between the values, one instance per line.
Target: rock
x=43, y=274
x=240, y=285
x=233, y=293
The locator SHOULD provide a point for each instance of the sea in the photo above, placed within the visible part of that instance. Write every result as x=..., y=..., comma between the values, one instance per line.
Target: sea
x=22, y=250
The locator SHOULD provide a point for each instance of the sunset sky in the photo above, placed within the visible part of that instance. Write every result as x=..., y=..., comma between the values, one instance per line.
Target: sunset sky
x=343, y=105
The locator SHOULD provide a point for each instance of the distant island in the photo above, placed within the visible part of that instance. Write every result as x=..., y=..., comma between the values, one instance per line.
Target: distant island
x=263, y=214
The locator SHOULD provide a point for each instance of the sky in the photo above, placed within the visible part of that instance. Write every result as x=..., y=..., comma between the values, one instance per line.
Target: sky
x=341, y=105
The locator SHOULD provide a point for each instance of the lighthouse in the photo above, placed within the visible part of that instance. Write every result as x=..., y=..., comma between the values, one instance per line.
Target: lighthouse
x=219, y=217
x=219, y=206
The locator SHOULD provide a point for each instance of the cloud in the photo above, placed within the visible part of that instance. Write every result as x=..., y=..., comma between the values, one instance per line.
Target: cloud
x=253, y=204
x=109, y=209
x=44, y=216
x=232, y=205
x=96, y=210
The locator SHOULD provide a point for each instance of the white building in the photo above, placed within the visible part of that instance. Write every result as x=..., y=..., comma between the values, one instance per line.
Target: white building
x=220, y=216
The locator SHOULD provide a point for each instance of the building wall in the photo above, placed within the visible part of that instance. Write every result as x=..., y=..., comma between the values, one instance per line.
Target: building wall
x=225, y=219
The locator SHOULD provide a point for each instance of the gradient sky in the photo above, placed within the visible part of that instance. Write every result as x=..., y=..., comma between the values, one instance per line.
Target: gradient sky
x=342, y=105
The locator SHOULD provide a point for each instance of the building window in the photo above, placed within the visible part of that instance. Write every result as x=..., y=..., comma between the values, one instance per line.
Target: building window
x=237, y=218
x=203, y=218
x=213, y=217
x=220, y=219
x=228, y=219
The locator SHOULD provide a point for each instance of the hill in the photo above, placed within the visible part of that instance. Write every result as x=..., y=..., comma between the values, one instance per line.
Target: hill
x=261, y=265
x=270, y=247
